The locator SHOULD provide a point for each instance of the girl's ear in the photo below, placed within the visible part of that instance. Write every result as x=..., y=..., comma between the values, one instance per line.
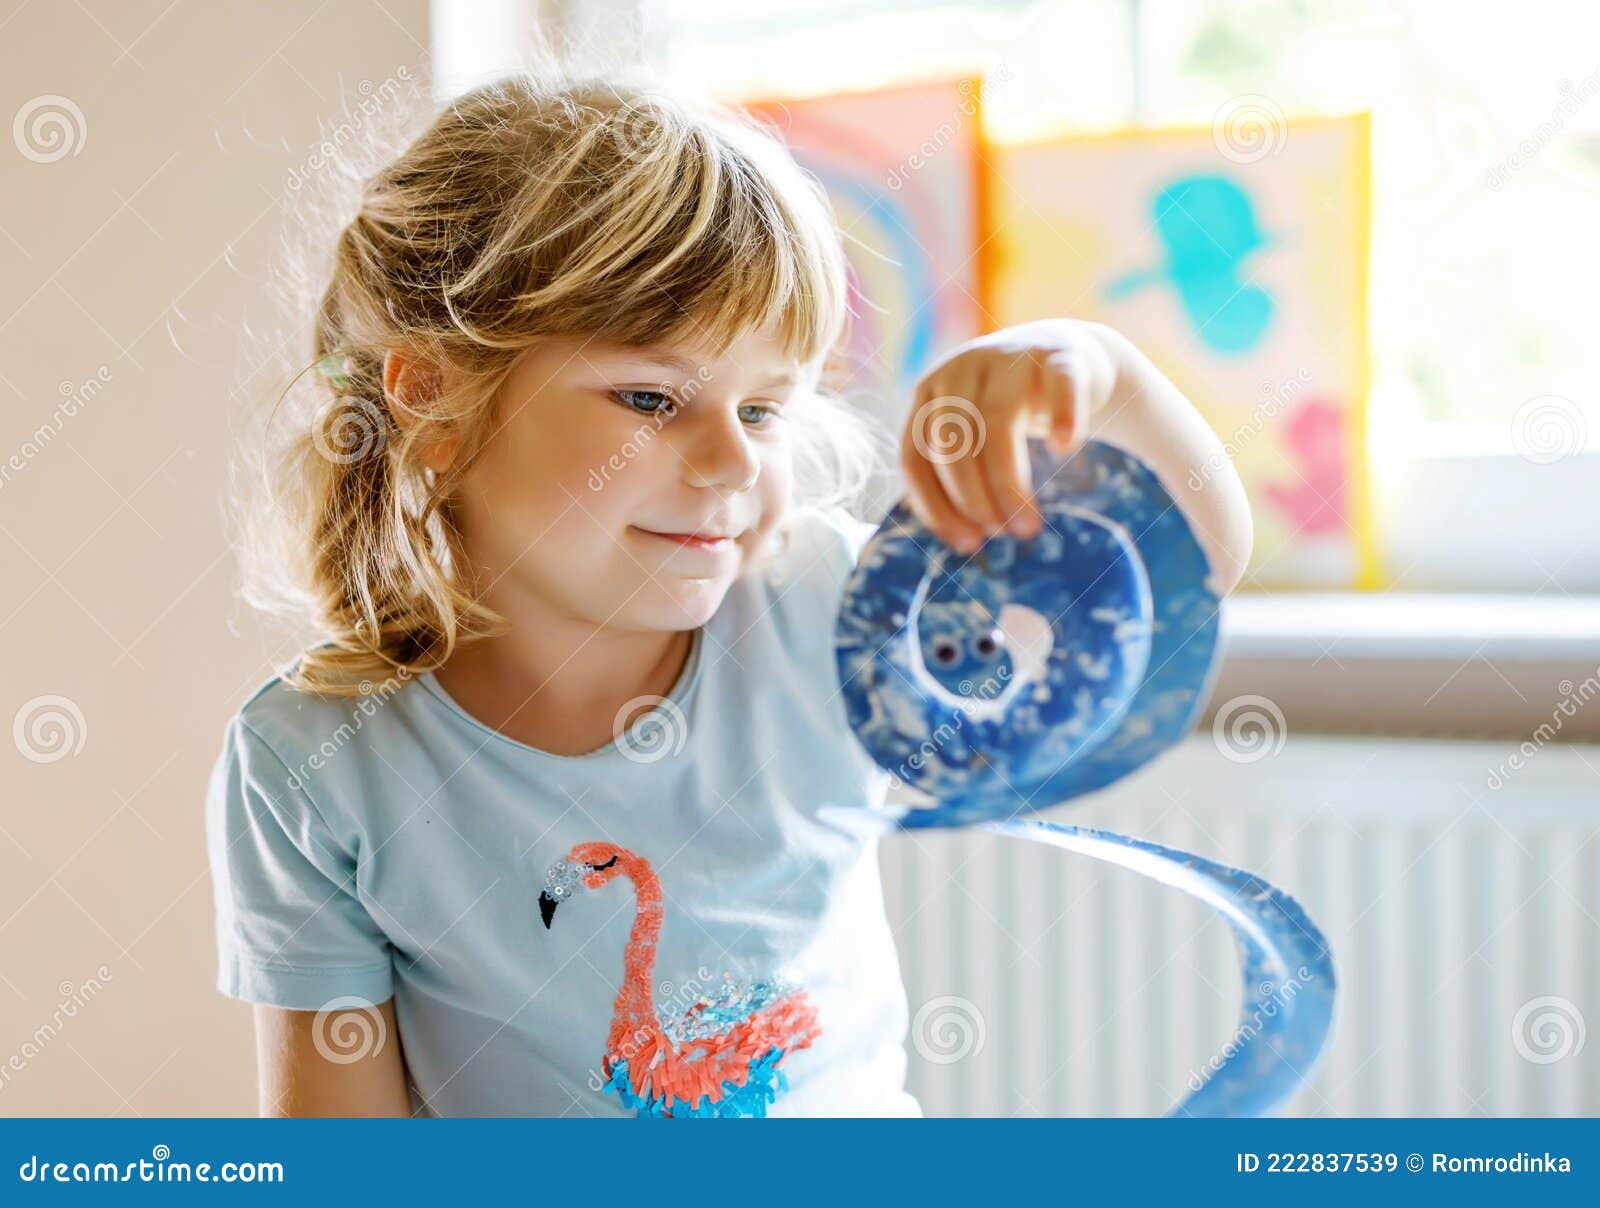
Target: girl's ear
x=409, y=384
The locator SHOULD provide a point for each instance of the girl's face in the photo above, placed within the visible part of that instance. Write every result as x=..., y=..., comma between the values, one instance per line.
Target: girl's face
x=607, y=458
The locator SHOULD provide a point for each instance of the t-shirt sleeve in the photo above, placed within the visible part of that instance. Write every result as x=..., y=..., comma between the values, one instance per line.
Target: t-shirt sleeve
x=291, y=931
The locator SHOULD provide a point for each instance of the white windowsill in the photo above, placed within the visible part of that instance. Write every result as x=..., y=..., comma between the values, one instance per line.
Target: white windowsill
x=1390, y=625
x=1460, y=666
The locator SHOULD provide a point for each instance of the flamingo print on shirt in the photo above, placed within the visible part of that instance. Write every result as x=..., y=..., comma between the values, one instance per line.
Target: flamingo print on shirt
x=721, y=1057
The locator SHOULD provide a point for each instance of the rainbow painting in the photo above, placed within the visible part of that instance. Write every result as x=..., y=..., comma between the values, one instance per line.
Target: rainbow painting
x=900, y=168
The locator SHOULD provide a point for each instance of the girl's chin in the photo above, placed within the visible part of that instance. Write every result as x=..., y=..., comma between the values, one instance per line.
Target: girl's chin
x=683, y=602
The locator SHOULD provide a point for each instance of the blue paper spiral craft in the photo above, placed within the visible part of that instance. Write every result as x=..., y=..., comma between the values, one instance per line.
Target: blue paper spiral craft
x=1038, y=669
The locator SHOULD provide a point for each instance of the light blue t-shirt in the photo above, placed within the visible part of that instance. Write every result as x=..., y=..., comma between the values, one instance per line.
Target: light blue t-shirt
x=394, y=845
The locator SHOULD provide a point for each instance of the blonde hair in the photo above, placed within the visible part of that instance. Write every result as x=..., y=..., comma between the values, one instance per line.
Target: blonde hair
x=525, y=210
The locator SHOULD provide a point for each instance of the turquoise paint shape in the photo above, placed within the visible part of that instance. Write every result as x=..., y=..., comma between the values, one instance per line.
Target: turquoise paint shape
x=1207, y=226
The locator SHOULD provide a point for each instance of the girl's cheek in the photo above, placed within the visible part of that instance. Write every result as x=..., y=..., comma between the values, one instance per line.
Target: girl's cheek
x=586, y=461
x=777, y=470
x=775, y=489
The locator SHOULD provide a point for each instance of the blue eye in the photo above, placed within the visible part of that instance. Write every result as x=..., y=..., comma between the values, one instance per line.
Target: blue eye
x=657, y=402
x=638, y=400
x=763, y=414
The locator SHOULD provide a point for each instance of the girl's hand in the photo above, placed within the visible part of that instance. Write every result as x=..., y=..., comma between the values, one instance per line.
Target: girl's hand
x=965, y=449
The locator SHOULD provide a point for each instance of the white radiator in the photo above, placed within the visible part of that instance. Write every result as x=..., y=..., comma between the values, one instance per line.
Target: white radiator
x=1464, y=921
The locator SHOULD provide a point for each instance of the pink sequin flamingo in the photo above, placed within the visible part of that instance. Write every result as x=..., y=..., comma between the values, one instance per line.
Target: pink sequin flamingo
x=721, y=1057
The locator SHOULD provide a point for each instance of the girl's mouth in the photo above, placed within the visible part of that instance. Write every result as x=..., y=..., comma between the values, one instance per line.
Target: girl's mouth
x=691, y=540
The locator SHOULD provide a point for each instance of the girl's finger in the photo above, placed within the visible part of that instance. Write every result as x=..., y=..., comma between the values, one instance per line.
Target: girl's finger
x=949, y=430
x=964, y=480
x=1062, y=389
x=932, y=506
x=1005, y=465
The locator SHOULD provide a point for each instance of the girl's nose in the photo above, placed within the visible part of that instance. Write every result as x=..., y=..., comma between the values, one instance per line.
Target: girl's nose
x=717, y=452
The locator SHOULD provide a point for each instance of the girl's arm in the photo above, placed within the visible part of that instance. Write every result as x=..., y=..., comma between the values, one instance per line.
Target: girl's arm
x=964, y=449
x=296, y=1079
x=1150, y=418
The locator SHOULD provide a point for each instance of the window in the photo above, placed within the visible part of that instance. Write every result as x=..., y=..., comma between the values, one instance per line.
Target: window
x=1484, y=429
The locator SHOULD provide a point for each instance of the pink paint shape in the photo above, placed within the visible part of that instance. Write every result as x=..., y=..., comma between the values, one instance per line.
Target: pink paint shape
x=1315, y=439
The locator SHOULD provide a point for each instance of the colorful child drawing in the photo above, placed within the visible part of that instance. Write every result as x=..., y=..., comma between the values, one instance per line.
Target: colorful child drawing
x=907, y=203
x=1244, y=280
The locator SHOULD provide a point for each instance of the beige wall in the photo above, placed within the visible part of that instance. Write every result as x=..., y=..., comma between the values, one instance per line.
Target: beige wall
x=128, y=270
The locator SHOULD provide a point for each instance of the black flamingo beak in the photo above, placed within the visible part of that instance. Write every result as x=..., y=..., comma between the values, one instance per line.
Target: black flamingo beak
x=548, y=901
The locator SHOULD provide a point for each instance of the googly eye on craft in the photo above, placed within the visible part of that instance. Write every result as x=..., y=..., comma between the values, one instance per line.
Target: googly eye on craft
x=1034, y=669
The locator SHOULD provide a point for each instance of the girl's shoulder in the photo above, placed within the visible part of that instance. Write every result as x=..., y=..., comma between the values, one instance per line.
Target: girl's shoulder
x=307, y=732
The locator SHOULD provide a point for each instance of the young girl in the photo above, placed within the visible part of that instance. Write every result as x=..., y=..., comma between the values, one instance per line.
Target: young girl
x=543, y=827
